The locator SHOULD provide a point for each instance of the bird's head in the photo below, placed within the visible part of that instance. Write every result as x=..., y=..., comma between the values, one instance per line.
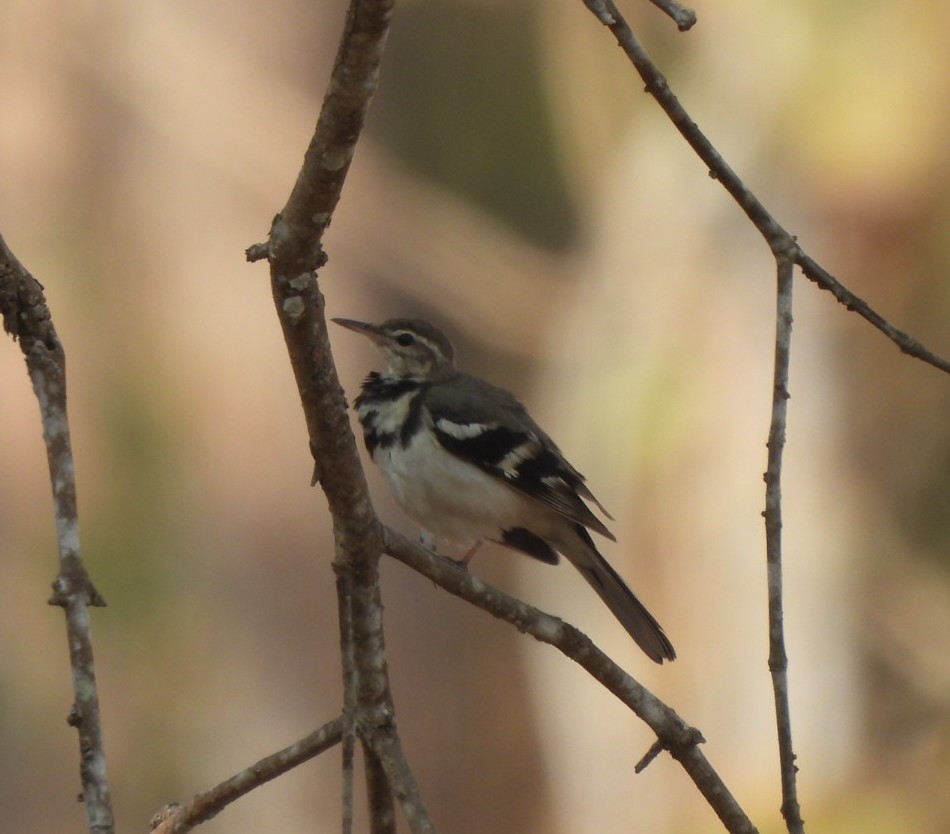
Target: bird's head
x=414, y=349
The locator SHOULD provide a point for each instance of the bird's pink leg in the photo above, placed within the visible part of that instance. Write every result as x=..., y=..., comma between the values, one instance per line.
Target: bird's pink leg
x=463, y=562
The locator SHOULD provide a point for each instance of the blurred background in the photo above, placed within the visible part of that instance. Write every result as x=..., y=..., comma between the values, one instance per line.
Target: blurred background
x=516, y=186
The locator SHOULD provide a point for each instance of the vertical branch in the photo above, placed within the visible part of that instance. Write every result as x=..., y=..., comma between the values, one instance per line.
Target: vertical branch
x=377, y=722
x=778, y=659
x=295, y=252
x=382, y=807
x=349, y=749
x=383, y=745
x=349, y=696
x=27, y=318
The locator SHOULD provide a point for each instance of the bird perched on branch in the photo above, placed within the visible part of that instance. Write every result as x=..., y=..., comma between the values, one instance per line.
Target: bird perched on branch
x=466, y=461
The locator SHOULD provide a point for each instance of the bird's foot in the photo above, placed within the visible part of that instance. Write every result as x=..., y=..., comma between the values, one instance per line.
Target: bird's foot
x=427, y=540
x=463, y=562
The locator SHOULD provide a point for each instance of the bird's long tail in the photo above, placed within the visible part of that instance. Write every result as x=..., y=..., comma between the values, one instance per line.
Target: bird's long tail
x=631, y=613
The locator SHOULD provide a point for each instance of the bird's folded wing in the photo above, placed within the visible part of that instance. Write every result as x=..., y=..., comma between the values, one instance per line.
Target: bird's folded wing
x=506, y=443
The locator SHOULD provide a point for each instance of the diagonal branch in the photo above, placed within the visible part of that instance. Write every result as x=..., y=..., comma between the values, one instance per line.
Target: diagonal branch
x=26, y=317
x=672, y=732
x=178, y=819
x=907, y=343
x=775, y=235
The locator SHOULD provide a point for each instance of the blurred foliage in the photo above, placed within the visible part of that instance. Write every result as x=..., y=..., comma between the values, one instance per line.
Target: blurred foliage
x=462, y=101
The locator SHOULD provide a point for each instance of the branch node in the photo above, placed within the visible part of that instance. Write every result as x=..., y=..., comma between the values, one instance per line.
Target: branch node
x=317, y=471
x=164, y=813
x=379, y=718
x=290, y=247
x=599, y=8
x=685, y=737
x=59, y=597
x=784, y=246
x=68, y=585
x=255, y=252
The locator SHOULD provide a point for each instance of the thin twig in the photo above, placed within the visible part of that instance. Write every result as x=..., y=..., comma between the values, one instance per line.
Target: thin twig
x=205, y=805
x=655, y=749
x=673, y=733
x=685, y=19
x=908, y=344
x=778, y=659
x=26, y=317
x=775, y=235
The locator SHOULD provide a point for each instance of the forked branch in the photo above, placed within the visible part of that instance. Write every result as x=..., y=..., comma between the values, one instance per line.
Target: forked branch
x=777, y=237
x=673, y=733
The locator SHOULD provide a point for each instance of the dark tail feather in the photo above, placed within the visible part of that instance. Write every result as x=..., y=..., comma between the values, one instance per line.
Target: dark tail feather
x=639, y=622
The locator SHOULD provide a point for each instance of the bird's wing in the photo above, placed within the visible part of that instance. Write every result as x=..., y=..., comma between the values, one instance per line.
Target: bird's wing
x=487, y=427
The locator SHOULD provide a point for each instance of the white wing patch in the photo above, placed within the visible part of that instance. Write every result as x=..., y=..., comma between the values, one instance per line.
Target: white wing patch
x=462, y=431
x=523, y=451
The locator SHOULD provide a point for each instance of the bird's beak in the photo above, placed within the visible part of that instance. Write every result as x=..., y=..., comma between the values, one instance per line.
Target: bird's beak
x=368, y=330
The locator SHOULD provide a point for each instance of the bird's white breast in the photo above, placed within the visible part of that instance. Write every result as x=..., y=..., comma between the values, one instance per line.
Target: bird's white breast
x=447, y=496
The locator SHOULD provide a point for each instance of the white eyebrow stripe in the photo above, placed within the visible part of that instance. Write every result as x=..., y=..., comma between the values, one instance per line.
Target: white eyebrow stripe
x=432, y=346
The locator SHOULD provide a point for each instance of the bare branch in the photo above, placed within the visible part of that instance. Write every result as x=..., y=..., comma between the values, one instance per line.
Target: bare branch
x=345, y=612
x=778, y=659
x=380, y=737
x=296, y=238
x=905, y=342
x=685, y=19
x=295, y=252
x=380, y=797
x=205, y=805
x=775, y=235
x=26, y=317
x=673, y=733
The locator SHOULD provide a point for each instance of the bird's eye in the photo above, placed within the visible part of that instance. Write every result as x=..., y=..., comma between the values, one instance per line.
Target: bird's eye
x=404, y=339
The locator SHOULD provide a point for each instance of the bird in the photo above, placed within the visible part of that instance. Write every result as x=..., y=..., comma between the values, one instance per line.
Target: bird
x=466, y=461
